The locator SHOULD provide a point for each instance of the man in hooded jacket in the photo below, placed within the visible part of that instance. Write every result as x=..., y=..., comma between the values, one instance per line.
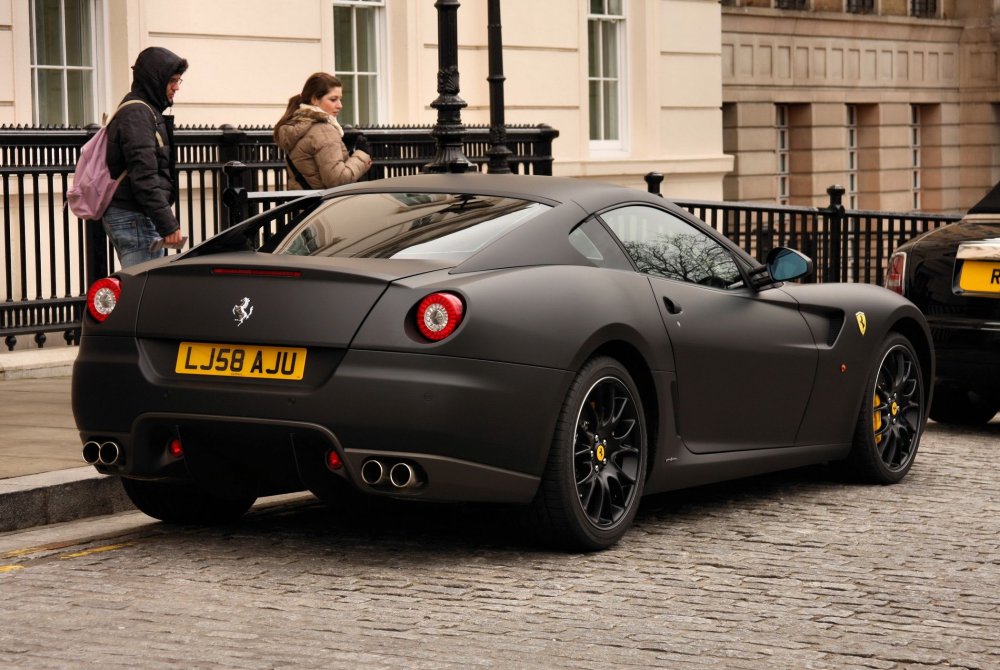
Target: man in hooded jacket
x=140, y=140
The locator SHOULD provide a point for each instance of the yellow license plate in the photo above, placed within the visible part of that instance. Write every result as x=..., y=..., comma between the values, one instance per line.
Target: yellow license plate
x=980, y=276
x=240, y=360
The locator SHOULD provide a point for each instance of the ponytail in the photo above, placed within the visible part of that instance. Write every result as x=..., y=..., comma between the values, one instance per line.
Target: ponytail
x=293, y=104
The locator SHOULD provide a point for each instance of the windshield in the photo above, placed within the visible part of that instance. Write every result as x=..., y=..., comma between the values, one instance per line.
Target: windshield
x=406, y=225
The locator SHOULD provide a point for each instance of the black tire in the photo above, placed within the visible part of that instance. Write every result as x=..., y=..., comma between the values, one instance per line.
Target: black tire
x=594, y=477
x=963, y=408
x=892, y=416
x=184, y=502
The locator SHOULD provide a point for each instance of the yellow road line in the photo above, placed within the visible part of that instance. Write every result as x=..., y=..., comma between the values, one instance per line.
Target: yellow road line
x=96, y=550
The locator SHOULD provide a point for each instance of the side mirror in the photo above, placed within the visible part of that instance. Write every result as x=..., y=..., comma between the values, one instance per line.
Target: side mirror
x=784, y=264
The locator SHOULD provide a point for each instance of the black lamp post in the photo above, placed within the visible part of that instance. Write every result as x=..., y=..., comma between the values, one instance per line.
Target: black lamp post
x=448, y=131
x=498, y=153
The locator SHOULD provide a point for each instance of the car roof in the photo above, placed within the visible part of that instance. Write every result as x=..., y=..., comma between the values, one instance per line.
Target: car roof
x=990, y=204
x=588, y=193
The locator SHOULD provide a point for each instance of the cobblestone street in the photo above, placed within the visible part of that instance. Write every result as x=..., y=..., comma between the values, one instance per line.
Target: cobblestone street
x=793, y=570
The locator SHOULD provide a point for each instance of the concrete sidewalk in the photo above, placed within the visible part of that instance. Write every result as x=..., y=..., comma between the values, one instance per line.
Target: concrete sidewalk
x=42, y=475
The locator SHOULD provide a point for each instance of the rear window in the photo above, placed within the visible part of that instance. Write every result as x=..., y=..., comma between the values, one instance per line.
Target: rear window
x=439, y=226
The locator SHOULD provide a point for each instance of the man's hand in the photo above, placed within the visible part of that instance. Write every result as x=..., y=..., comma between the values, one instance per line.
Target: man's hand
x=173, y=238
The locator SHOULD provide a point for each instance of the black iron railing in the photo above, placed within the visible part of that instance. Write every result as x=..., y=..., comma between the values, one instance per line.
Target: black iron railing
x=845, y=245
x=52, y=257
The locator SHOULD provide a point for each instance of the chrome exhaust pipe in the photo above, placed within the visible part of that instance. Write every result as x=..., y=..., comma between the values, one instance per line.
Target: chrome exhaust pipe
x=91, y=453
x=373, y=472
x=403, y=476
x=109, y=453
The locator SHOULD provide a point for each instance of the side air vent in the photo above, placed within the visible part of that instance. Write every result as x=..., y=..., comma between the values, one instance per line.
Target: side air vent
x=836, y=325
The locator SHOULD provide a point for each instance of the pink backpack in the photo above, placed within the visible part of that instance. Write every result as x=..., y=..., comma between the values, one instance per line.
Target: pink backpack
x=93, y=186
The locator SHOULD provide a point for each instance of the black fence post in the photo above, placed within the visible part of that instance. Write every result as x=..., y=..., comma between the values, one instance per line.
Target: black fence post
x=835, y=225
x=543, y=149
x=229, y=153
x=95, y=252
x=653, y=181
x=234, y=197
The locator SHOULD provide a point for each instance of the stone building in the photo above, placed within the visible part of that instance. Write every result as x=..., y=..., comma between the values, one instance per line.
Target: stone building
x=896, y=100
x=761, y=100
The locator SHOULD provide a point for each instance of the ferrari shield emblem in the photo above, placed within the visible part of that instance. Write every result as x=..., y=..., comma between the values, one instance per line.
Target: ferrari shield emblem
x=862, y=321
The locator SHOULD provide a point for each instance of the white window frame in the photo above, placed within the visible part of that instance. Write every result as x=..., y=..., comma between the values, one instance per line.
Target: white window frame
x=98, y=54
x=781, y=149
x=380, y=56
x=619, y=144
x=852, y=156
x=915, y=157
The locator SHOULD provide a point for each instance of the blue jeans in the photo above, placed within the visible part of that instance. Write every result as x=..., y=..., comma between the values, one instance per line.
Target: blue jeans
x=131, y=233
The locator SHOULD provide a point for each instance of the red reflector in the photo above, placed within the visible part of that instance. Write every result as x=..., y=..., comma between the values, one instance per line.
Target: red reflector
x=174, y=448
x=103, y=297
x=439, y=314
x=333, y=460
x=252, y=272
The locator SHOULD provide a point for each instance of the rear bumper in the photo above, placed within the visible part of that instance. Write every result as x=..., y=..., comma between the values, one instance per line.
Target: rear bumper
x=475, y=430
x=967, y=355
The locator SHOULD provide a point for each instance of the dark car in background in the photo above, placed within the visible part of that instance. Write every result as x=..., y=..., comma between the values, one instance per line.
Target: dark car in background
x=561, y=345
x=953, y=275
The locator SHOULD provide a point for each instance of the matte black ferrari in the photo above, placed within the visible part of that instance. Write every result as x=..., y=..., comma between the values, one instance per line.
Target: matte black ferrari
x=561, y=345
x=953, y=275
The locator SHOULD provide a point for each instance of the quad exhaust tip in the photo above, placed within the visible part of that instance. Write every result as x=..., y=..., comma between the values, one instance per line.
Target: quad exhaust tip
x=102, y=453
x=398, y=475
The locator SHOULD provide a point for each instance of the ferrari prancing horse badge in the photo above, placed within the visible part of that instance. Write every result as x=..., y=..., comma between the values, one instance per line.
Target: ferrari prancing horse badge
x=862, y=321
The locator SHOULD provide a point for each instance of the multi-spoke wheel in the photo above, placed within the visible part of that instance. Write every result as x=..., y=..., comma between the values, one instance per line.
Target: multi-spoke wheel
x=594, y=477
x=892, y=415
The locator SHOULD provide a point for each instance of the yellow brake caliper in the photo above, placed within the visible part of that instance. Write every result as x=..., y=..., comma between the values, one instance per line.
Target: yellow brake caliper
x=876, y=418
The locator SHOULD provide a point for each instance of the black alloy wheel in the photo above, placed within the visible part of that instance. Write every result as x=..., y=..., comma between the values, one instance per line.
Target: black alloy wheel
x=594, y=478
x=892, y=415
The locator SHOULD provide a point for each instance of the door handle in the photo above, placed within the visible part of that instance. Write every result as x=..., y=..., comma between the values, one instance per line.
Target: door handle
x=671, y=306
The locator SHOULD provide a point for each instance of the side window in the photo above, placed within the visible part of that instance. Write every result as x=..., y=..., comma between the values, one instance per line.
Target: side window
x=665, y=245
x=592, y=240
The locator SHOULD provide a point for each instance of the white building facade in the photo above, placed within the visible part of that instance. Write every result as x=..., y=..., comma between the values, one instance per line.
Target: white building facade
x=632, y=86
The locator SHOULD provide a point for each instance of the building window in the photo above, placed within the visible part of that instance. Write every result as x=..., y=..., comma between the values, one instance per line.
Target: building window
x=356, y=47
x=605, y=41
x=861, y=6
x=852, y=157
x=915, y=158
x=927, y=9
x=791, y=4
x=63, y=57
x=781, y=135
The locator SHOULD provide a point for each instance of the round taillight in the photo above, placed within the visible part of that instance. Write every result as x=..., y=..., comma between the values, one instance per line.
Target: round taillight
x=439, y=314
x=102, y=297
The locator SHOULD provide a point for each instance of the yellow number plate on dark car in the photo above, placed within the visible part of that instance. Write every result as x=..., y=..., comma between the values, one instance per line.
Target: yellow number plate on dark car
x=980, y=276
x=240, y=360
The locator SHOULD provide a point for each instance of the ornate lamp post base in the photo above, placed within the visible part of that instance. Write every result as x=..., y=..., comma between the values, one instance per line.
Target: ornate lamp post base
x=449, y=130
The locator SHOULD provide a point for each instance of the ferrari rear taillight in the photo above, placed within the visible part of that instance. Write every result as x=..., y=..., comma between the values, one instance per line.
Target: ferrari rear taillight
x=439, y=314
x=894, y=278
x=102, y=297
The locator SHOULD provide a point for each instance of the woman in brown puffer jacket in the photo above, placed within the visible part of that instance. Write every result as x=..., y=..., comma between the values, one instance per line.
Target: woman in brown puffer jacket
x=313, y=141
